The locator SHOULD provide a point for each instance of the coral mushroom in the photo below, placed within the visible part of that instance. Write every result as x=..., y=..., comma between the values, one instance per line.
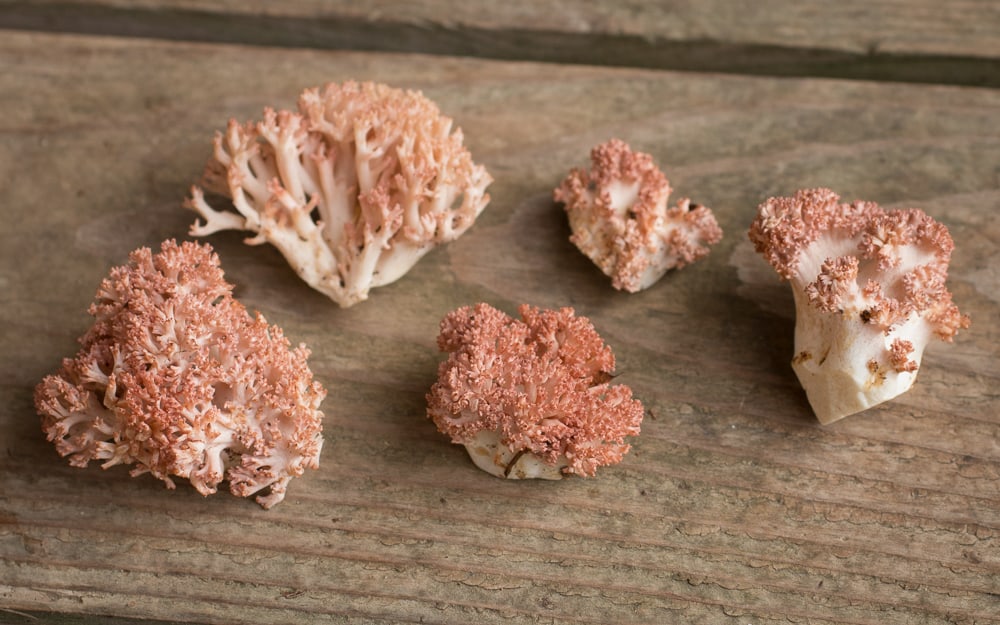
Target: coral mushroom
x=531, y=398
x=176, y=378
x=353, y=189
x=869, y=288
x=619, y=217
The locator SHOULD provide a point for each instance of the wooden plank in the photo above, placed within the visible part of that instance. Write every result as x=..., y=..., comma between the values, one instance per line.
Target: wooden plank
x=954, y=42
x=734, y=506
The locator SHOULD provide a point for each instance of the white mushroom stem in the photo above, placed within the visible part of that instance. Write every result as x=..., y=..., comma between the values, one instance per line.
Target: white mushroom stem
x=843, y=363
x=495, y=458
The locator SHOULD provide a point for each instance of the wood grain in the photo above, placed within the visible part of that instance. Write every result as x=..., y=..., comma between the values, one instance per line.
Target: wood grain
x=951, y=42
x=734, y=505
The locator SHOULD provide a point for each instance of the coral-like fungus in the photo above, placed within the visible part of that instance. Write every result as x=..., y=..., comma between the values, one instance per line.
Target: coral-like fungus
x=619, y=217
x=531, y=398
x=869, y=288
x=176, y=378
x=353, y=189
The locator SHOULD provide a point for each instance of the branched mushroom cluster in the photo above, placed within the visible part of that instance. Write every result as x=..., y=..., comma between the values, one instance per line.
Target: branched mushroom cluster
x=531, y=397
x=353, y=188
x=621, y=220
x=177, y=379
x=870, y=294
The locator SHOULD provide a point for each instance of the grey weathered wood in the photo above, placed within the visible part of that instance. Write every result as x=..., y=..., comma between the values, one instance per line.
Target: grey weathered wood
x=953, y=42
x=955, y=27
x=734, y=506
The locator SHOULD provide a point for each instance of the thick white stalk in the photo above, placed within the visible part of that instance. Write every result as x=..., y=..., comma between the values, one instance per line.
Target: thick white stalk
x=843, y=362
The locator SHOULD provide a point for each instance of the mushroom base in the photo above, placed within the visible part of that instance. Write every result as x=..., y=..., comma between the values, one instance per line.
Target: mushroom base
x=844, y=363
x=490, y=455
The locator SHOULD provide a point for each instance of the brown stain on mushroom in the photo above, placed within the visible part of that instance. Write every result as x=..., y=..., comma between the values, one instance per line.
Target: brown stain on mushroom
x=513, y=462
x=878, y=374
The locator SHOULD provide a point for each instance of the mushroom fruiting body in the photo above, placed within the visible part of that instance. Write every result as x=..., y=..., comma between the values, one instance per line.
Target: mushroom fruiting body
x=177, y=379
x=353, y=189
x=869, y=289
x=619, y=218
x=531, y=397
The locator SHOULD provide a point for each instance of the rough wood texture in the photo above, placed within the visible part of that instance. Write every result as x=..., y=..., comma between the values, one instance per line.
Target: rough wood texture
x=734, y=506
x=953, y=42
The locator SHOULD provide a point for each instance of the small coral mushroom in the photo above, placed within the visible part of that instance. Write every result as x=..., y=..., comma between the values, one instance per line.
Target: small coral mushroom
x=619, y=217
x=531, y=398
x=869, y=288
x=176, y=378
x=353, y=189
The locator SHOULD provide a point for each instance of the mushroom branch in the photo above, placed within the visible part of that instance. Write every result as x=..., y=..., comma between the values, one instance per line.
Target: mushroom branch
x=177, y=379
x=353, y=188
x=531, y=397
x=620, y=219
x=870, y=294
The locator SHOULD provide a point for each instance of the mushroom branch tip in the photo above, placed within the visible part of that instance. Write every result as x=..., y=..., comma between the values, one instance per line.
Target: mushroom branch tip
x=531, y=397
x=175, y=378
x=620, y=219
x=353, y=188
x=870, y=294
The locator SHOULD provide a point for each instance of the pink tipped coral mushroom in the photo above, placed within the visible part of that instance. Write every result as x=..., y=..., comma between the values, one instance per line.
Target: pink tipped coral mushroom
x=353, y=189
x=176, y=378
x=619, y=217
x=869, y=288
x=531, y=398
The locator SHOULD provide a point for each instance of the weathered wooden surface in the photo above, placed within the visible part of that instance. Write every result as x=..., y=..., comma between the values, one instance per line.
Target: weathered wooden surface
x=734, y=506
x=953, y=42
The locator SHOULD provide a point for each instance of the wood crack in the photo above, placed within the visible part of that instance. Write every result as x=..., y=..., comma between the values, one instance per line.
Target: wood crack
x=379, y=34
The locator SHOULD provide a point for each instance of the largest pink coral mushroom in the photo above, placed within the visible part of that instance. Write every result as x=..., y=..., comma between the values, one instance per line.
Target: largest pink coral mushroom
x=176, y=378
x=870, y=294
x=531, y=398
x=353, y=189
